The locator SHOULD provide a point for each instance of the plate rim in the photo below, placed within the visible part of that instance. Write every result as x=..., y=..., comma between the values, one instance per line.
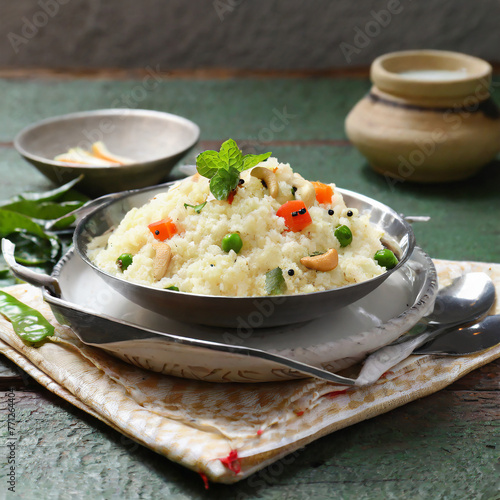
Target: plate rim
x=423, y=300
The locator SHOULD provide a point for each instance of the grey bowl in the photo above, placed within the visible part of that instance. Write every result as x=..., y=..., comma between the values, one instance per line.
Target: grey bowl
x=156, y=141
x=238, y=312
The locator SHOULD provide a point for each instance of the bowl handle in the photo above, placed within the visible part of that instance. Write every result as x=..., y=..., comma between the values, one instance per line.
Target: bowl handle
x=26, y=274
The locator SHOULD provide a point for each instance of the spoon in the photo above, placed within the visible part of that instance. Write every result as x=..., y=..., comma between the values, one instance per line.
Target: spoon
x=467, y=299
x=465, y=340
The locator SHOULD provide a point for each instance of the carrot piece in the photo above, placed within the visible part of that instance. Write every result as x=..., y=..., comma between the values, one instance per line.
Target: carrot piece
x=230, y=198
x=163, y=229
x=100, y=150
x=324, y=192
x=296, y=215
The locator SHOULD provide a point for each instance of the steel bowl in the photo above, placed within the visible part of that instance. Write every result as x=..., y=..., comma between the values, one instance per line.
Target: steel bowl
x=103, y=318
x=239, y=312
x=154, y=140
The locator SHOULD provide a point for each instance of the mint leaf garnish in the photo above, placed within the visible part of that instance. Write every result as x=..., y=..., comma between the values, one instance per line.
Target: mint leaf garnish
x=223, y=182
x=275, y=283
x=196, y=208
x=230, y=154
x=208, y=163
x=250, y=161
x=211, y=164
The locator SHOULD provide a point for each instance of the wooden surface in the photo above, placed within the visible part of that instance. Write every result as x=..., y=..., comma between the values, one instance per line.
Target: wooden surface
x=443, y=446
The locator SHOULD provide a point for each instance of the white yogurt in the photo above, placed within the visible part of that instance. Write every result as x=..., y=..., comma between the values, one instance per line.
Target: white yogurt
x=434, y=75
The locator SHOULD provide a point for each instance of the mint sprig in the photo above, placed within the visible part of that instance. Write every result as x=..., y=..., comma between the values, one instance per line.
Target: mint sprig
x=223, y=168
x=223, y=182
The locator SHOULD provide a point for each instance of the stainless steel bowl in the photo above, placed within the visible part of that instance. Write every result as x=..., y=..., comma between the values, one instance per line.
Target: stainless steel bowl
x=156, y=141
x=239, y=312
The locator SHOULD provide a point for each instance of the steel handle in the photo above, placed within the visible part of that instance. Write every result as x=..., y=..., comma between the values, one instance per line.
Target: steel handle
x=26, y=274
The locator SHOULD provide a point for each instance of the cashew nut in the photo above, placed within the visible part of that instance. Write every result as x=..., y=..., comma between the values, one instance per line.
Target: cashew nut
x=161, y=260
x=305, y=190
x=323, y=262
x=269, y=178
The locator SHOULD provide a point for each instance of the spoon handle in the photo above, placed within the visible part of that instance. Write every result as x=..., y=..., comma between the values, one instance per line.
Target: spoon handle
x=385, y=358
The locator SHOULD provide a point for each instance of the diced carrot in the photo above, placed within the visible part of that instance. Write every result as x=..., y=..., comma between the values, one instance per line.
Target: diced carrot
x=163, y=229
x=294, y=219
x=324, y=192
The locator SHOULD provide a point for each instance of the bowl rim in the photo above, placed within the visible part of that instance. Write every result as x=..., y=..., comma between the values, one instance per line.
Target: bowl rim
x=77, y=243
x=195, y=129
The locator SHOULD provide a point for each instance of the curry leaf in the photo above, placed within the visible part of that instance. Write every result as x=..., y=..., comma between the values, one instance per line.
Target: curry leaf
x=196, y=208
x=22, y=230
x=275, y=282
x=54, y=194
x=45, y=210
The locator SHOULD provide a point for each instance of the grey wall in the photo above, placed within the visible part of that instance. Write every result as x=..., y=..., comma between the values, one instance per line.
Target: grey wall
x=244, y=34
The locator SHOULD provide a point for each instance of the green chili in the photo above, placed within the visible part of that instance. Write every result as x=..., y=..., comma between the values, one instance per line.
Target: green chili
x=27, y=322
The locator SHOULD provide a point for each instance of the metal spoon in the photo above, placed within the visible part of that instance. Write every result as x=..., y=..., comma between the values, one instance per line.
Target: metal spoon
x=465, y=300
x=465, y=340
x=468, y=298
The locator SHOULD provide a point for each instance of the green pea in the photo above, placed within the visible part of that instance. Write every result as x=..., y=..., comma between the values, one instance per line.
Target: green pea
x=386, y=258
x=124, y=261
x=344, y=235
x=232, y=241
x=173, y=288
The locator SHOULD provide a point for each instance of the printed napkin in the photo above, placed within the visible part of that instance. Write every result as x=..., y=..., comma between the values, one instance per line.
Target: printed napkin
x=225, y=432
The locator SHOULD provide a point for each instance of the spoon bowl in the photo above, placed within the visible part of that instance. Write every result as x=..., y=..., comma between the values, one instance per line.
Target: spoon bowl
x=467, y=298
x=465, y=340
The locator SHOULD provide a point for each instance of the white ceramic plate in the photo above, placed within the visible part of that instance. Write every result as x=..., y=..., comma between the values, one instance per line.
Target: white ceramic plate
x=104, y=318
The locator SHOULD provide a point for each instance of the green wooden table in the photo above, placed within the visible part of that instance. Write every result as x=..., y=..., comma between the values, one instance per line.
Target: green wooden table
x=444, y=446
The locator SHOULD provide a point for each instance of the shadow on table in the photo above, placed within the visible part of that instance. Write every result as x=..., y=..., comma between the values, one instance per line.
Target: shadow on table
x=485, y=184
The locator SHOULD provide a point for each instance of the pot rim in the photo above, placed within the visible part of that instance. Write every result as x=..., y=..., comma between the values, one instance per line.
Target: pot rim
x=385, y=74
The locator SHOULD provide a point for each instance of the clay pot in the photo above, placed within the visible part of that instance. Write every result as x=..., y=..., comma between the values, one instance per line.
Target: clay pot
x=429, y=116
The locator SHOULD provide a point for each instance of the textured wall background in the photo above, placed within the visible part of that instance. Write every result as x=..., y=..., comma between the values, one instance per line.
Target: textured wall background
x=244, y=34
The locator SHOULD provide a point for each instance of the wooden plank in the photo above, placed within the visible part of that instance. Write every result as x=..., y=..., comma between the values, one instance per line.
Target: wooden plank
x=441, y=446
x=191, y=74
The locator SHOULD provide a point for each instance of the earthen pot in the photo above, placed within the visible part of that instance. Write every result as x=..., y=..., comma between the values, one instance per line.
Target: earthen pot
x=429, y=117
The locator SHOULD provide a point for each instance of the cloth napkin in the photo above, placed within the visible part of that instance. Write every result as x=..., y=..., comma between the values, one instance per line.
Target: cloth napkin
x=225, y=432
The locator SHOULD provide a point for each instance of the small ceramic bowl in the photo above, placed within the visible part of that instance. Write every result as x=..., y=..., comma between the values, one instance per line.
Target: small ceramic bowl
x=153, y=140
x=429, y=116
